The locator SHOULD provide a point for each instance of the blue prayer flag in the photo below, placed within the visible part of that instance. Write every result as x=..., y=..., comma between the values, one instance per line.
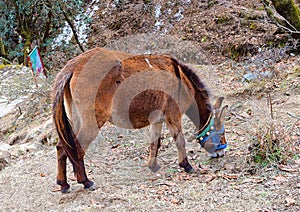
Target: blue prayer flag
x=36, y=62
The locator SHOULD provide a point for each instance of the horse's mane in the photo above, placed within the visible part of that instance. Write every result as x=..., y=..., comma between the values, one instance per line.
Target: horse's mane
x=192, y=76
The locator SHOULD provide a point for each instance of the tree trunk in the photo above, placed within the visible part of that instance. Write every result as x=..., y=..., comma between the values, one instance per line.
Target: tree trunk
x=2, y=48
x=289, y=10
x=26, y=34
x=73, y=30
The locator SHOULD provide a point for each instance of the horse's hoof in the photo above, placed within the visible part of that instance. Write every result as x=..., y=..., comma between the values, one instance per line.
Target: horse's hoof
x=190, y=169
x=90, y=186
x=65, y=189
x=154, y=168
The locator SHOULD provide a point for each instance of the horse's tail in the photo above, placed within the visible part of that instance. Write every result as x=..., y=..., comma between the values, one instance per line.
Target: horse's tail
x=62, y=123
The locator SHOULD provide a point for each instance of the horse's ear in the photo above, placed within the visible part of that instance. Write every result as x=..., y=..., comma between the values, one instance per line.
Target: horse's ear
x=223, y=113
x=220, y=117
x=218, y=103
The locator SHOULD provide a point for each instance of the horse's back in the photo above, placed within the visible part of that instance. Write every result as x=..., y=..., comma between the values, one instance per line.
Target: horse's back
x=125, y=89
x=150, y=83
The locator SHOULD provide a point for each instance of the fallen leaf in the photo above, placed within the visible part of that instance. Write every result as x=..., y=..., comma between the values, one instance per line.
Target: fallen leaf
x=210, y=178
x=237, y=153
x=160, y=192
x=56, y=190
x=167, y=184
x=175, y=201
x=165, y=188
x=245, y=115
x=184, y=176
x=153, y=179
x=229, y=176
x=143, y=187
x=93, y=201
x=280, y=178
x=286, y=168
x=115, y=146
x=204, y=170
x=289, y=201
x=262, y=210
x=253, y=180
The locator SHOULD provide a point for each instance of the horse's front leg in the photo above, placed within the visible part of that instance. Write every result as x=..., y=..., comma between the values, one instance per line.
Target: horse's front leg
x=183, y=161
x=180, y=144
x=155, y=133
x=61, y=178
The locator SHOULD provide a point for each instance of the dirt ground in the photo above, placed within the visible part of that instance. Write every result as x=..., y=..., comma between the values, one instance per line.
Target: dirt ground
x=262, y=91
x=115, y=160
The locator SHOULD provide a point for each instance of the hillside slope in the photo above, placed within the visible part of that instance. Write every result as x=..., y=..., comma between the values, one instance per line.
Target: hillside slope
x=223, y=29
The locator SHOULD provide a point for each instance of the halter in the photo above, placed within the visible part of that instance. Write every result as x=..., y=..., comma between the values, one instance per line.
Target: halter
x=210, y=132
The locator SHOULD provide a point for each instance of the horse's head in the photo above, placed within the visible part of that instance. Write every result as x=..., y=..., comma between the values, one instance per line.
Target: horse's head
x=212, y=137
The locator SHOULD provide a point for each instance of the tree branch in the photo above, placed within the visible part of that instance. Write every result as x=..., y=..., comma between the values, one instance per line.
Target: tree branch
x=280, y=21
x=73, y=29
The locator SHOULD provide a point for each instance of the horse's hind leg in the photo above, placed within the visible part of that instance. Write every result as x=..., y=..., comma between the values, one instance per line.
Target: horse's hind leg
x=62, y=168
x=78, y=167
x=155, y=130
x=85, y=136
x=176, y=132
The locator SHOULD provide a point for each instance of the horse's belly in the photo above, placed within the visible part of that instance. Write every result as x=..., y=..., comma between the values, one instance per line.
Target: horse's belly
x=145, y=108
x=129, y=121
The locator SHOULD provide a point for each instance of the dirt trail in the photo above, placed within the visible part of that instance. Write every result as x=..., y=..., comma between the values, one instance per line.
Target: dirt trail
x=115, y=163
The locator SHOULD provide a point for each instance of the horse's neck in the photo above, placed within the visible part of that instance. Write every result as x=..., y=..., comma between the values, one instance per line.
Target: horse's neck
x=200, y=111
x=205, y=112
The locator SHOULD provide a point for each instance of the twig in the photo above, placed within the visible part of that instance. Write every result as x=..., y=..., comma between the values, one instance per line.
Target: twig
x=271, y=106
x=6, y=60
x=289, y=28
x=293, y=116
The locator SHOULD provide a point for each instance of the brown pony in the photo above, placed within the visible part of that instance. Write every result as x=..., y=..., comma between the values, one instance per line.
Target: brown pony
x=130, y=91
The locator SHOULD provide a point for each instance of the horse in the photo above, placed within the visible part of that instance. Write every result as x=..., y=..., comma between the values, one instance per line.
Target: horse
x=130, y=91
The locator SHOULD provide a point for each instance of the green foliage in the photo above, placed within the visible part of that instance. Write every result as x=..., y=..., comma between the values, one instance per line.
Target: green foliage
x=223, y=19
x=211, y=3
x=289, y=10
x=253, y=26
x=147, y=1
x=204, y=39
x=25, y=24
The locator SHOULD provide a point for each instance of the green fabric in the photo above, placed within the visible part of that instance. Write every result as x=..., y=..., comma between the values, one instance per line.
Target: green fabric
x=211, y=123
